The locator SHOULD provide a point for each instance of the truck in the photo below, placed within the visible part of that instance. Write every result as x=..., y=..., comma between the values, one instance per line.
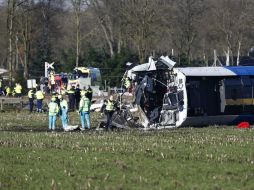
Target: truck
x=84, y=77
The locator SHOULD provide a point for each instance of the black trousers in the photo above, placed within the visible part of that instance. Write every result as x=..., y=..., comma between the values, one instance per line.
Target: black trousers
x=72, y=102
x=109, y=115
x=18, y=95
x=77, y=100
x=31, y=104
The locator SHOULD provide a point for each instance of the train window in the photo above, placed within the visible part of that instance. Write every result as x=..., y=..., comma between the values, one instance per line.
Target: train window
x=238, y=88
x=246, y=81
x=194, y=84
x=180, y=95
x=166, y=100
x=233, y=82
x=234, y=94
x=233, y=88
x=247, y=87
x=173, y=98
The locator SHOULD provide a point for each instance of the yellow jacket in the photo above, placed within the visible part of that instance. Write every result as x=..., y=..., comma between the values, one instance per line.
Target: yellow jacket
x=30, y=94
x=52, y=79
x=39, y=95
x=18, y=89
x=8, y=91
x=53, y=108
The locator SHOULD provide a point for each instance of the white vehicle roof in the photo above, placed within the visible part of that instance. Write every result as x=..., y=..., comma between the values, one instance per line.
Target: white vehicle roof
x=152, y=65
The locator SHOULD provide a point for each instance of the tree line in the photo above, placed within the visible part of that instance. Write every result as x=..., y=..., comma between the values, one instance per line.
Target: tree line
x=109, y=33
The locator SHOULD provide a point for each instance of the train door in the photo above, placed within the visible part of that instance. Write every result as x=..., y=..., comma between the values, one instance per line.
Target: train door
x=203, y=96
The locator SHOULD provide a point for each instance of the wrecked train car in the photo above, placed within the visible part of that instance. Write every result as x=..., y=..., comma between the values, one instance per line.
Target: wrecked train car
x=167, y=97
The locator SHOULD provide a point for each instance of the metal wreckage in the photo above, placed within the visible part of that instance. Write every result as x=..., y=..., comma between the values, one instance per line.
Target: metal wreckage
x=169, y=97
x=157, y=100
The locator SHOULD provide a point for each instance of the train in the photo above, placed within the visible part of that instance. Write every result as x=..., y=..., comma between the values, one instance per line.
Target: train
x=166, y=96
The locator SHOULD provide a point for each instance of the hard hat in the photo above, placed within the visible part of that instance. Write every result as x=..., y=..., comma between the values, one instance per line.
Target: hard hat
x=53, y=99
x=111, y=98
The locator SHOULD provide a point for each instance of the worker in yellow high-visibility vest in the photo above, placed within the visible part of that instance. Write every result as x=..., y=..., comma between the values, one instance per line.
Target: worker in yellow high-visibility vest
x=71, y=96
x=52, y=81
x=53, y=111
x=7, y=91
x=127, y=82
x=18, y=90
x=109, y=108
x=39, y=97
x=31, y=99
x=84, y=111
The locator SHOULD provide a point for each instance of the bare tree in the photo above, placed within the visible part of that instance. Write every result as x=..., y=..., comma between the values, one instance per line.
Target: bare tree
x=77, y=5
x=188, y=16
x=140, y=18
x=24, y=34
x=3, y=37
x=10, y=22
x=232, y=20
x=107, y=15
x=105, y=23
x=192, y=29
x=46, y=17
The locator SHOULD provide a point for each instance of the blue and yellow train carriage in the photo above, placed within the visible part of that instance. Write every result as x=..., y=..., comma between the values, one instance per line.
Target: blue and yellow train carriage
x=219, y=95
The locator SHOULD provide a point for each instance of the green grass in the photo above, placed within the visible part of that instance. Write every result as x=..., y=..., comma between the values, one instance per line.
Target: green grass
x=186, y=158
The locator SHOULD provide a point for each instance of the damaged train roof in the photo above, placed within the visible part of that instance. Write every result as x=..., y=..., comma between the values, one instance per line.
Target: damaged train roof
x=163, y=62
x=167, y=63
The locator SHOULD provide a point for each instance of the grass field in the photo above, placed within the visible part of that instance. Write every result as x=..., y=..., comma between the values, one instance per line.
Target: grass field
x=186, y=158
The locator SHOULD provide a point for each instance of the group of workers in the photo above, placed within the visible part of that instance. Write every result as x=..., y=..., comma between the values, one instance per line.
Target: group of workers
x=60, y=108
x=75, y=94
x=79, y=100
x=39, y=96
x=7, y=91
